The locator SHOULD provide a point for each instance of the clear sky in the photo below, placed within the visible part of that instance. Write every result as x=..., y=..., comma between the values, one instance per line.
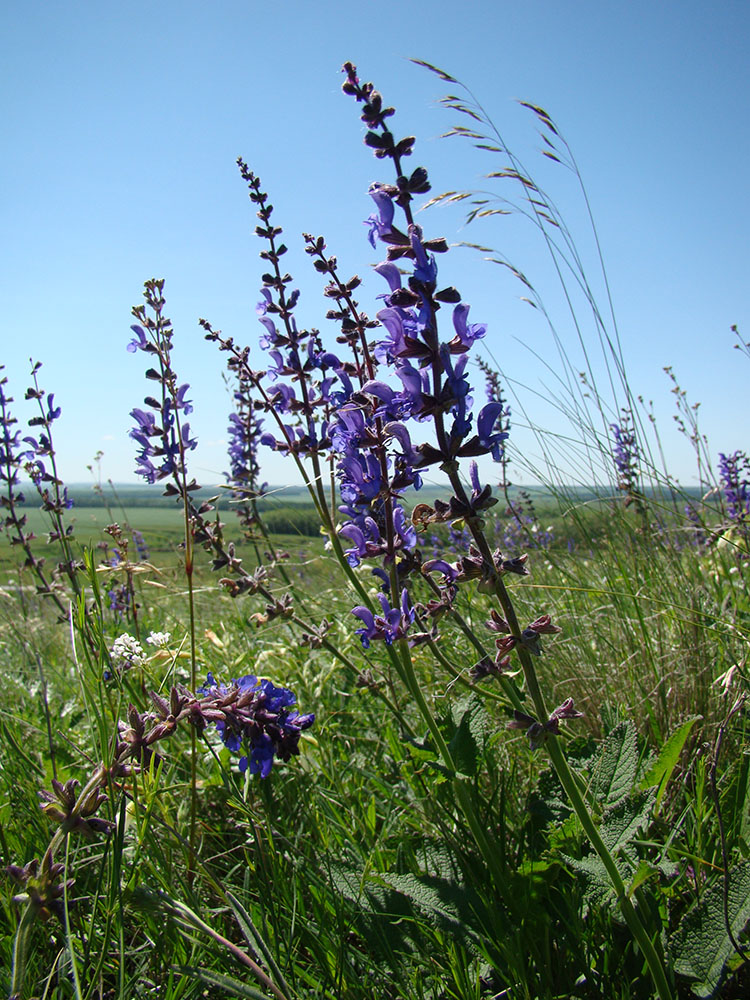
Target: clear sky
x=122, y=123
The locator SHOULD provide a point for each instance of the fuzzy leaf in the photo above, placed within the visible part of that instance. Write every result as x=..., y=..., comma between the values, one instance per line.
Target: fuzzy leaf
x=626, y=819
x=595, y=883
x=445, y=903
x=616, y=769
x=701, y=945
x=661, y=770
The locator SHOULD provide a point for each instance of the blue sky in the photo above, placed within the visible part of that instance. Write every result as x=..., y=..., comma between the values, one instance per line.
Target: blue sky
x=122, y=123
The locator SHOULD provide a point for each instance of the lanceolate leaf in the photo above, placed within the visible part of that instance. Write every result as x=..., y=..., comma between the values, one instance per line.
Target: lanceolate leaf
x=661, y=770
x=256, y=942
x=463, y=747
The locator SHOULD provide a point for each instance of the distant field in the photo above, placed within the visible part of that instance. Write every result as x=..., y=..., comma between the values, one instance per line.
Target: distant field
x=163, y=525
x=162, y=529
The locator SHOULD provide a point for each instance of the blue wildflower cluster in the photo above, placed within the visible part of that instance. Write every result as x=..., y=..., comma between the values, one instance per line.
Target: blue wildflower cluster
x=428, y=386
x=399, y=404
x=141, y=546
x=734, y=477
x=520, y=527
x=392, y=624
x=298, y=385
x=117, y=559
x=625, y=456
x=255, y=716
x=161, y=433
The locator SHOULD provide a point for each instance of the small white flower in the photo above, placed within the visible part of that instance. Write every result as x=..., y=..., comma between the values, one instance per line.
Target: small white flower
x=127, y=652
x=158, y=639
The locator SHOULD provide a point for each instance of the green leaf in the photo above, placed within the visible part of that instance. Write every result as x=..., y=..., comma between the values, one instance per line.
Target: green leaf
x=624, y=821
x=256, y=942
x=348, y=882
x=427, y=755
x=644, y=872
x=444, y=902
x=463, y=745
x=661, y=770
x=595, y=883
x=616, y=769
x=701, y=945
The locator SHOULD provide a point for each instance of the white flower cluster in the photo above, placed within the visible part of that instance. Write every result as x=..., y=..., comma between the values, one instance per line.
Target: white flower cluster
x=158, y=639
x=127, y=652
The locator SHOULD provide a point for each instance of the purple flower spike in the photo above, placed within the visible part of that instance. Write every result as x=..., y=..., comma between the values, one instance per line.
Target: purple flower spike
x=734, y=477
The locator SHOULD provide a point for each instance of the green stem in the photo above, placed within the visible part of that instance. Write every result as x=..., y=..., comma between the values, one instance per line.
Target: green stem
x=567, y=780
x=460, y=788
x=21, y=950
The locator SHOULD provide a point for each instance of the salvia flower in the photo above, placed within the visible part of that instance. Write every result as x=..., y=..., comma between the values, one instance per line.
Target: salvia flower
x=380, y=223
x=256, y=719
x=73, y=814
x=537, y=732
x=160, y=431
x=244, y=435
x=392, y=624
x=140, y=545
x=42, y=887
x=626, y=457
x=734, y=477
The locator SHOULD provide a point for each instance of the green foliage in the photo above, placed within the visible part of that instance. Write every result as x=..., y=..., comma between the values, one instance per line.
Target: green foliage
x=702, y=945
x=615, y=770
x=663, y=767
